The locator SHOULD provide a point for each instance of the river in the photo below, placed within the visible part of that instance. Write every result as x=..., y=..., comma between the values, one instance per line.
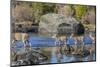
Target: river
x=46, y=46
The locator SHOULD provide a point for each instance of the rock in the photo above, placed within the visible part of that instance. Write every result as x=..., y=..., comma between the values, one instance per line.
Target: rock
x=51, y=23
x=90, y=17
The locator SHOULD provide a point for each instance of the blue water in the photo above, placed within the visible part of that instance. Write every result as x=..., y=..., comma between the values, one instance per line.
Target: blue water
x=42, y=42
x=37, y=41
x=49, y=42
x=19, y=44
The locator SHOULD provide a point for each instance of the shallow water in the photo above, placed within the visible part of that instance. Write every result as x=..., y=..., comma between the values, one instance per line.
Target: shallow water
x=46, y=46
x=53, y=57
x=66, y=58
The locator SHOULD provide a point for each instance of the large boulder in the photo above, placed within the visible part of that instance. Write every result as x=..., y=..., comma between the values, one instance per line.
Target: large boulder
x=52, y=23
